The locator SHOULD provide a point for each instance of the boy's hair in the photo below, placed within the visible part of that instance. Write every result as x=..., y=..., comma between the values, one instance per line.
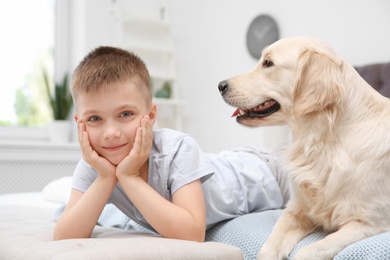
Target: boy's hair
x=105, y=66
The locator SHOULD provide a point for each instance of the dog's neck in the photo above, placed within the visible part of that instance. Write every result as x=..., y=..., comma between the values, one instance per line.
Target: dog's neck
x=316, y=127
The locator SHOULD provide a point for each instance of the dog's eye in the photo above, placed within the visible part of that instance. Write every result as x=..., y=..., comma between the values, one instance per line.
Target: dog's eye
x=267, y=63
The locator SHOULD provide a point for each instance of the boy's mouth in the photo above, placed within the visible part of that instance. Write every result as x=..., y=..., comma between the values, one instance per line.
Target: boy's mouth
x=113, y=147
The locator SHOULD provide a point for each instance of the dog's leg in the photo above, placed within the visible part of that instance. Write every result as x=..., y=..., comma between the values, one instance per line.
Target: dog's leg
x=332, y=244
x=288, y=231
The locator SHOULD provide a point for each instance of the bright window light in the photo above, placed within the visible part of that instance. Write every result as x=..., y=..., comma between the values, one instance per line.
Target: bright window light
x=28, y=36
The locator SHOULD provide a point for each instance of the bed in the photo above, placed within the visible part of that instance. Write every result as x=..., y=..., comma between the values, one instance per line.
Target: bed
x=35, y=186
x=27, y=221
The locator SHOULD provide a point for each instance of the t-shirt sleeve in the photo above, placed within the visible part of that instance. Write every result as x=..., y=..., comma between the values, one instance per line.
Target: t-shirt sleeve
x=83, y=176
x=189, y=163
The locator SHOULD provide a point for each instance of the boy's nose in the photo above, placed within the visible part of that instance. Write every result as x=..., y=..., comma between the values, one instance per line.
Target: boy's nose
x=111, y=132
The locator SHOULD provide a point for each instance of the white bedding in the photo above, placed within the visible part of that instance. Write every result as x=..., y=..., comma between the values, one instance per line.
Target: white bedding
x=31, y=199
x=27, y=223
x=54, y=194
x=26, y=233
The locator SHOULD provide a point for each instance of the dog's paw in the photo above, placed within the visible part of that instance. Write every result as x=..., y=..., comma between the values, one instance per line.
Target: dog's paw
x=318, y=250
x=310, y=253
x=267, y=254
x=304, y=256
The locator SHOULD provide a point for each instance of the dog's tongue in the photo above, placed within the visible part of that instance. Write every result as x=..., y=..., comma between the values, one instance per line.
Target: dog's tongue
x=235, y=112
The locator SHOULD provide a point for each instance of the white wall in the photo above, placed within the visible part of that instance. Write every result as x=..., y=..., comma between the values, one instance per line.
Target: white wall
x=209, y=38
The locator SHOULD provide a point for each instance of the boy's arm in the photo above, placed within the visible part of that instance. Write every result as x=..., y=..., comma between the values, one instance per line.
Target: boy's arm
x=183, y=218
x=83, y=210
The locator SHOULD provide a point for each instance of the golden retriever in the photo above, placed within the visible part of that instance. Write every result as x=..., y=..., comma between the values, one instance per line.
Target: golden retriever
x=339, y=156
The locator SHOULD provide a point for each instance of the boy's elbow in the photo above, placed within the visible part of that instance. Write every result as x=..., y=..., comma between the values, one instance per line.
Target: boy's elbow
x=200, y=237
x=196, y=237
x=199, y=234
x=56, y=238
x=189, y=238
x=58, y=235
x=62, y=237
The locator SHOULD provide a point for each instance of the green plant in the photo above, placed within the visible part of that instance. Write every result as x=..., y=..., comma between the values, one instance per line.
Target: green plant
x=60, y=99
x=165, y=91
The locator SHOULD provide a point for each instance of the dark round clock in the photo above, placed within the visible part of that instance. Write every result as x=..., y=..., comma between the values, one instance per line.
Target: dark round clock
x=262, y=32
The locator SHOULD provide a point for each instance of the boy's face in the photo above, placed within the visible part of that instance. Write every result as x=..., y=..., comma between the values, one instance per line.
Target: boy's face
x=112, y=117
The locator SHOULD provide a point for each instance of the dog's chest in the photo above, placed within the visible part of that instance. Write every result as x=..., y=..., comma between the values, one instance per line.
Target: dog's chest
x=317, y=209
x=318, y=183
x=315, y=201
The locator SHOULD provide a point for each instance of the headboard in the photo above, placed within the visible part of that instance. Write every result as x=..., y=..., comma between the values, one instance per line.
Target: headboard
x=377, y=75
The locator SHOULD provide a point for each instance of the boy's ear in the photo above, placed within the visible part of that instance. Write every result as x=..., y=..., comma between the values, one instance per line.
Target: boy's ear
x=153, y=113
x=75, y=117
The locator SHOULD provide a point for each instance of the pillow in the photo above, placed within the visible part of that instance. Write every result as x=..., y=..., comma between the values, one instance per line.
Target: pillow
x=58, y=190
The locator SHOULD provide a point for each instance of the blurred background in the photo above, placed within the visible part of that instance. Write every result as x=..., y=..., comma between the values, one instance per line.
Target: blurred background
x=189, y=46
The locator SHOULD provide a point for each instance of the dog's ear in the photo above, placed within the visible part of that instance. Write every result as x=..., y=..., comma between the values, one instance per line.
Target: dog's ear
x=319, y=82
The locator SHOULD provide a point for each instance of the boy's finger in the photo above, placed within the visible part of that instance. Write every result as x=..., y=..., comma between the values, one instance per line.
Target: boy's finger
x=138, y=141
x=84, y=142
x=80, y=133
x=147, y=136
x=83, y=139
x=83, y=134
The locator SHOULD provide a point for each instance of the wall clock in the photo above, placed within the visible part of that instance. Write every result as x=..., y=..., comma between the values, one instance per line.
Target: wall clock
x=262, y=32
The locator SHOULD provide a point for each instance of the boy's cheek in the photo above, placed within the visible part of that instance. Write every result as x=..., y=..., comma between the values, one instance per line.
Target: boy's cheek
x=91, y=134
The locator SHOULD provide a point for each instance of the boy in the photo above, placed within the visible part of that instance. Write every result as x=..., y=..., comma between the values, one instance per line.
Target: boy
x=159, y=178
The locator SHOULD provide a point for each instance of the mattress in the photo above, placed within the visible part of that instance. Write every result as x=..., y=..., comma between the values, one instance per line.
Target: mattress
x=27, y=222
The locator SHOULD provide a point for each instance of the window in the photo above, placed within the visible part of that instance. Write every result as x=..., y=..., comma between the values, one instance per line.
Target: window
x=28, y=36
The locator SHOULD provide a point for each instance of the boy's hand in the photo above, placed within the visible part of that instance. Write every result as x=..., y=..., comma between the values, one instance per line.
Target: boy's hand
x=131, y=164
x=100, y=164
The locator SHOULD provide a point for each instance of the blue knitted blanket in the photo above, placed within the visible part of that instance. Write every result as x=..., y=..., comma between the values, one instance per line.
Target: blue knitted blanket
x=249, y=232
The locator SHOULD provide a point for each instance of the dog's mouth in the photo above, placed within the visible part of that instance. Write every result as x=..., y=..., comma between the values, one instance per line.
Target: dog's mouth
x=265, y=109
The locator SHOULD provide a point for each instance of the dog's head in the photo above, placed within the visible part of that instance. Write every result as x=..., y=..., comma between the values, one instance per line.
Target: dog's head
x=295, y=77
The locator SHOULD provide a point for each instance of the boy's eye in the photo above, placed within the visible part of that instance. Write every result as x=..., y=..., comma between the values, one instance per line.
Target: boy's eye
x=94, y=118
x=125, y=114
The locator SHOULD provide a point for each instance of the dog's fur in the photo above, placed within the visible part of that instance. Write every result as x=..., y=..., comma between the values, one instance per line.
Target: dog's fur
x=339, y=157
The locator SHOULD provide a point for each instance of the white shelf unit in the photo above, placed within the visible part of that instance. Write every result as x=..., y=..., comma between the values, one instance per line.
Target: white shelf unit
x=149, y=36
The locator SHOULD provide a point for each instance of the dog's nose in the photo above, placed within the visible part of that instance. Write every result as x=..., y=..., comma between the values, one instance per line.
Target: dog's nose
x=223, y=86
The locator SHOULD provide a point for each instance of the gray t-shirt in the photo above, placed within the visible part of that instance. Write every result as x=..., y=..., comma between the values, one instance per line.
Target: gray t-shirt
x=234, y=182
